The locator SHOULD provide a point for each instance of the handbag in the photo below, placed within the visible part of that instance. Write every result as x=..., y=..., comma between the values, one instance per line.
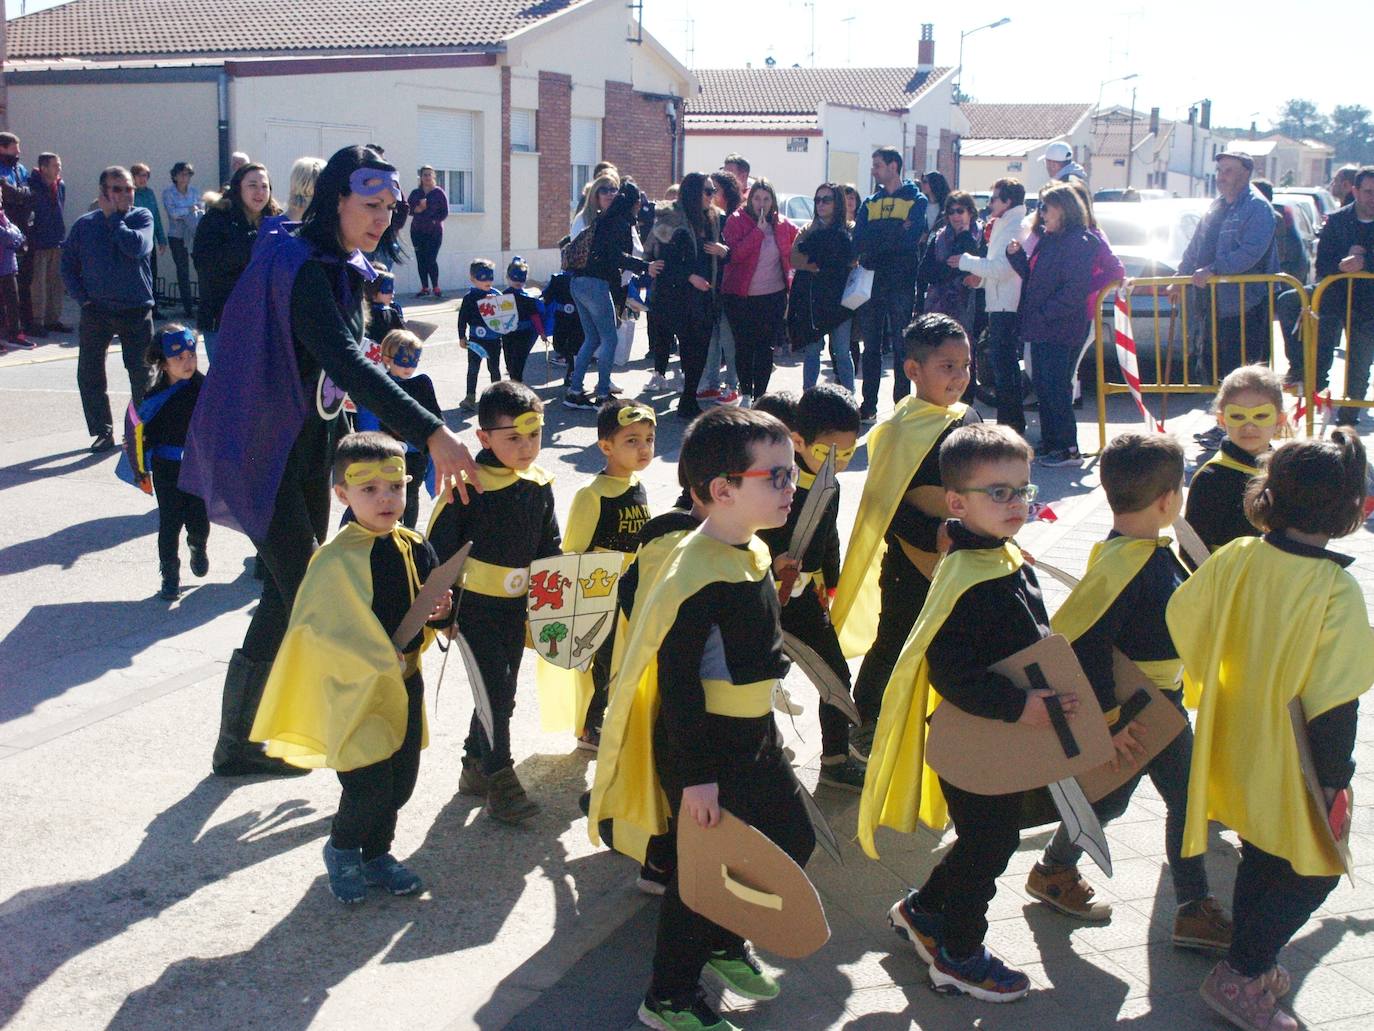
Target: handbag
x=858, y=288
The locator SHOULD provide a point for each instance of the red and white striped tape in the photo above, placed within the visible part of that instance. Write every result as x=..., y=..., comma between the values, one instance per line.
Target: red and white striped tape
x=1126, y=357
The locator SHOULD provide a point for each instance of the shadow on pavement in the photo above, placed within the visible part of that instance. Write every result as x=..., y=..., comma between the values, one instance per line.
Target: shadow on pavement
x=46, y=466
x=176, y=857
x=72, y=542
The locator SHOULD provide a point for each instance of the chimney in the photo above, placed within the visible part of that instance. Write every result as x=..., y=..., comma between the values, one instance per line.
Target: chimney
x=925, y=49
x=1154, y=120
x=1206, y=114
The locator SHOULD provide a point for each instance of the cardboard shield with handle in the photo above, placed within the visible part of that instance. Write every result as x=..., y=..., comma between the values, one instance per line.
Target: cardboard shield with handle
x=733, y=875
x=1157, y=718
x=1335, y=820
x=572, y=605
x=973, y=753
x=499, y=312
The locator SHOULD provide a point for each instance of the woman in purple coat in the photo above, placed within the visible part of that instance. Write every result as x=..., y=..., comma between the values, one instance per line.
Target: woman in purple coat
x=428, y=209
x=1058, y=280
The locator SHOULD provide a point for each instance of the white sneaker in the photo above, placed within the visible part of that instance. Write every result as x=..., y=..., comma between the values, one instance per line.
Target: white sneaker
x=657, y=382
x=782, y=701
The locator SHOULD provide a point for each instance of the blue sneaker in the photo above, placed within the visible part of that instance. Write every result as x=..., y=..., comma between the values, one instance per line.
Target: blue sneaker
x=924, y=930
x=345, y=867
x=386, y=872
x=982, y=975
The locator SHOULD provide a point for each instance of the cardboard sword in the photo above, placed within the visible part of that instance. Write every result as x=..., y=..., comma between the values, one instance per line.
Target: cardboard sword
x=827, y=683
x=823, y=489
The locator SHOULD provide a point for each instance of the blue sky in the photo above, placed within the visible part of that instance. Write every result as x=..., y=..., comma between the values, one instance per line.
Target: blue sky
x=1247, y=58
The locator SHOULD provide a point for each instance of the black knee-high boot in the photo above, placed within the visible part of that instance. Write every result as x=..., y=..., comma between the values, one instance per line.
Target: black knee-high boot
x=235, y=755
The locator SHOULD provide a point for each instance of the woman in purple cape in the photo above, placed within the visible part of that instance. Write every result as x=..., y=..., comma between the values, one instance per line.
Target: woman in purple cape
x=262, y=439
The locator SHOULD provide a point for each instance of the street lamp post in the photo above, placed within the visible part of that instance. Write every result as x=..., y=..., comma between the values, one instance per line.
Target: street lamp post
x=1097, y=108
x=959, y=86
x=1130, y=142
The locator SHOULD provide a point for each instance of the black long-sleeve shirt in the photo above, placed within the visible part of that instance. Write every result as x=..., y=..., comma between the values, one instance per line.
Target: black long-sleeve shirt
x=823, y=553
x=726, y=631
x=331, y=339
x=675, y=520
x=990, y=621
x=509, y=527
x=612, y=247
x=911, y=524
x=172, y=420
x=1133, y=623
x=391, y=597
x=1216, y=500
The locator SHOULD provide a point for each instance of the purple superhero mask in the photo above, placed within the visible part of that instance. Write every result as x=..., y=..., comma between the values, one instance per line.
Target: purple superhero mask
x=372, y=181
x=177, y=342
x=406, y=358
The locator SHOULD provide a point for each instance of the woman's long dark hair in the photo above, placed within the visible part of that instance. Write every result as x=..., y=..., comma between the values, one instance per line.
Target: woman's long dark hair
x=939, y=189
x=320, y=223
x=233, y=193
x=689, y=196
x=729, y=189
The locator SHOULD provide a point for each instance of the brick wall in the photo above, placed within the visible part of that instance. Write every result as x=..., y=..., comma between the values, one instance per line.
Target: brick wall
x=919, y=152
x=554, y=127
x=505, y=158
x=944, y=160
x=634, y=136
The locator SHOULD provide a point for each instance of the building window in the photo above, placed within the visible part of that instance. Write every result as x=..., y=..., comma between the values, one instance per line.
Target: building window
x=448, y=141
x=522, y=129
x=586, y=151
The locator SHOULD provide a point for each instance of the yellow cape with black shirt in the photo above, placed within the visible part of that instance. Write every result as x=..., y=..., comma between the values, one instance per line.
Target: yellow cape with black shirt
x=336, y=696
x=564, y=694
x=626, y=788
x=1258, y=626
x=1224, y=460
x=899, y=787
x=1112, y=565
x=896, y=448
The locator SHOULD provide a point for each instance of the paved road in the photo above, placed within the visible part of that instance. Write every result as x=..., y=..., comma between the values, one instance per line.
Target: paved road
x=140, y=892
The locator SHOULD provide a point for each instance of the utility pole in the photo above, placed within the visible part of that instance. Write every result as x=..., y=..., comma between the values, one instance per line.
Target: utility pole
x=1130, y=142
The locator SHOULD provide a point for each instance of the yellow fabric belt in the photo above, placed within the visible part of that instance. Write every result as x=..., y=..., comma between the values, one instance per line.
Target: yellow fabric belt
x=1165, y=674
x=493, y=580
x=922, y=560
x=742, y=701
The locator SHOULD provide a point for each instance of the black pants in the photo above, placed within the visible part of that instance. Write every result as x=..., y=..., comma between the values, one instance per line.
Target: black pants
x=1255, y=337
x=1271, y=902
x=1004, y=347
x=300, y=519
x=497, y=634
x=373, y=795
x=757, y=324
x=427, y=257
x=99, y=326
x=417, y=465
x=9, y=306
x=493, y=359
x=517, y=346
x=661, y=337
x=805, y=619
x=903, y=590
x=182, y=259
x=152, y=267
x=693, y=341
x=881, y=321
x=762, y=793
x=175, y=509
x=987, y=829
x=601, y=682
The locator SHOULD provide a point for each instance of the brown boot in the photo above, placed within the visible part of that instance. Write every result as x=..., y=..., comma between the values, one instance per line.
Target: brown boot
x=1203, y=924
x=473, y=780
x=506, y=798
x=1064, y=889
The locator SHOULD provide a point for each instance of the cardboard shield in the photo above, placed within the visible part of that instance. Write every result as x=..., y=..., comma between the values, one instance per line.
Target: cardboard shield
x=1158, y=718
x=572, y=604
x=1341, y=842
x=992, y=757
x=133, y=465
x=735, y=877
x=499, y=312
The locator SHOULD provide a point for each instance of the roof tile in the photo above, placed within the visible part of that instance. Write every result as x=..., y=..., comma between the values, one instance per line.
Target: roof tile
x=1023, y=121
x=801, y=91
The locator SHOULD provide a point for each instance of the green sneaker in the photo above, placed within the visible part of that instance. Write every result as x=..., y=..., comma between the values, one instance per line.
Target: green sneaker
x=741, y=974
x=693, y=1013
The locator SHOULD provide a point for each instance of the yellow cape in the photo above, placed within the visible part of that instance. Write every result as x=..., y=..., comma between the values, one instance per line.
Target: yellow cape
x=1112, y=564
x=899, y=786
x=896, y=448
x=1253, y=654
x=336, y=696
x=1224, y=460
x=626, y=788
x=493, y=478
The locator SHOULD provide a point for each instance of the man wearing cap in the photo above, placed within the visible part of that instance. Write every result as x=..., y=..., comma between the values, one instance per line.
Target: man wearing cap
x=1060, y=165
x=1235, y=238
x=105, y=268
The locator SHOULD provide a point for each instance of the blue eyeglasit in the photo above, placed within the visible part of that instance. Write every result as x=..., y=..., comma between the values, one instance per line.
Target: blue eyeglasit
x=1001, y=494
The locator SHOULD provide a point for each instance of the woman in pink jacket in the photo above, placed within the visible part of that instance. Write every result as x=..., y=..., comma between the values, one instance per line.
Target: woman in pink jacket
x=754, y=287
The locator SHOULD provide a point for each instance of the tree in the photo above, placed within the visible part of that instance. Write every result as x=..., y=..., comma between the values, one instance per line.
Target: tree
x=1352, y=134
x=1300, y=120
x=551, y=635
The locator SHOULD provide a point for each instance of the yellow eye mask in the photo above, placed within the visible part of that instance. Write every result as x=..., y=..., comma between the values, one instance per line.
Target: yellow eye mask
x=635, y=413
x=1261, y=415
x=528, y=422
x=819, y=451
x=392, y=469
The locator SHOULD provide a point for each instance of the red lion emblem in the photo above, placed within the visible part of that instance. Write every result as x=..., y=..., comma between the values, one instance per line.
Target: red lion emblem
x=546, y=588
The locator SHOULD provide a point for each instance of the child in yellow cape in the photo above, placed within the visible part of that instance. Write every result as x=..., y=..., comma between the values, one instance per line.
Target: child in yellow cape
x=1254, y=655
x=690, y=728
x=984, y=606
x=607, y=515
x=1119, y=605
x=892, y=548
x=340, y=694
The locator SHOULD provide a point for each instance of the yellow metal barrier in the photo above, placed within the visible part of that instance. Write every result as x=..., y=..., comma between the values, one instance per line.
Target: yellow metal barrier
x=1177, y=318
x=1311, y=334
